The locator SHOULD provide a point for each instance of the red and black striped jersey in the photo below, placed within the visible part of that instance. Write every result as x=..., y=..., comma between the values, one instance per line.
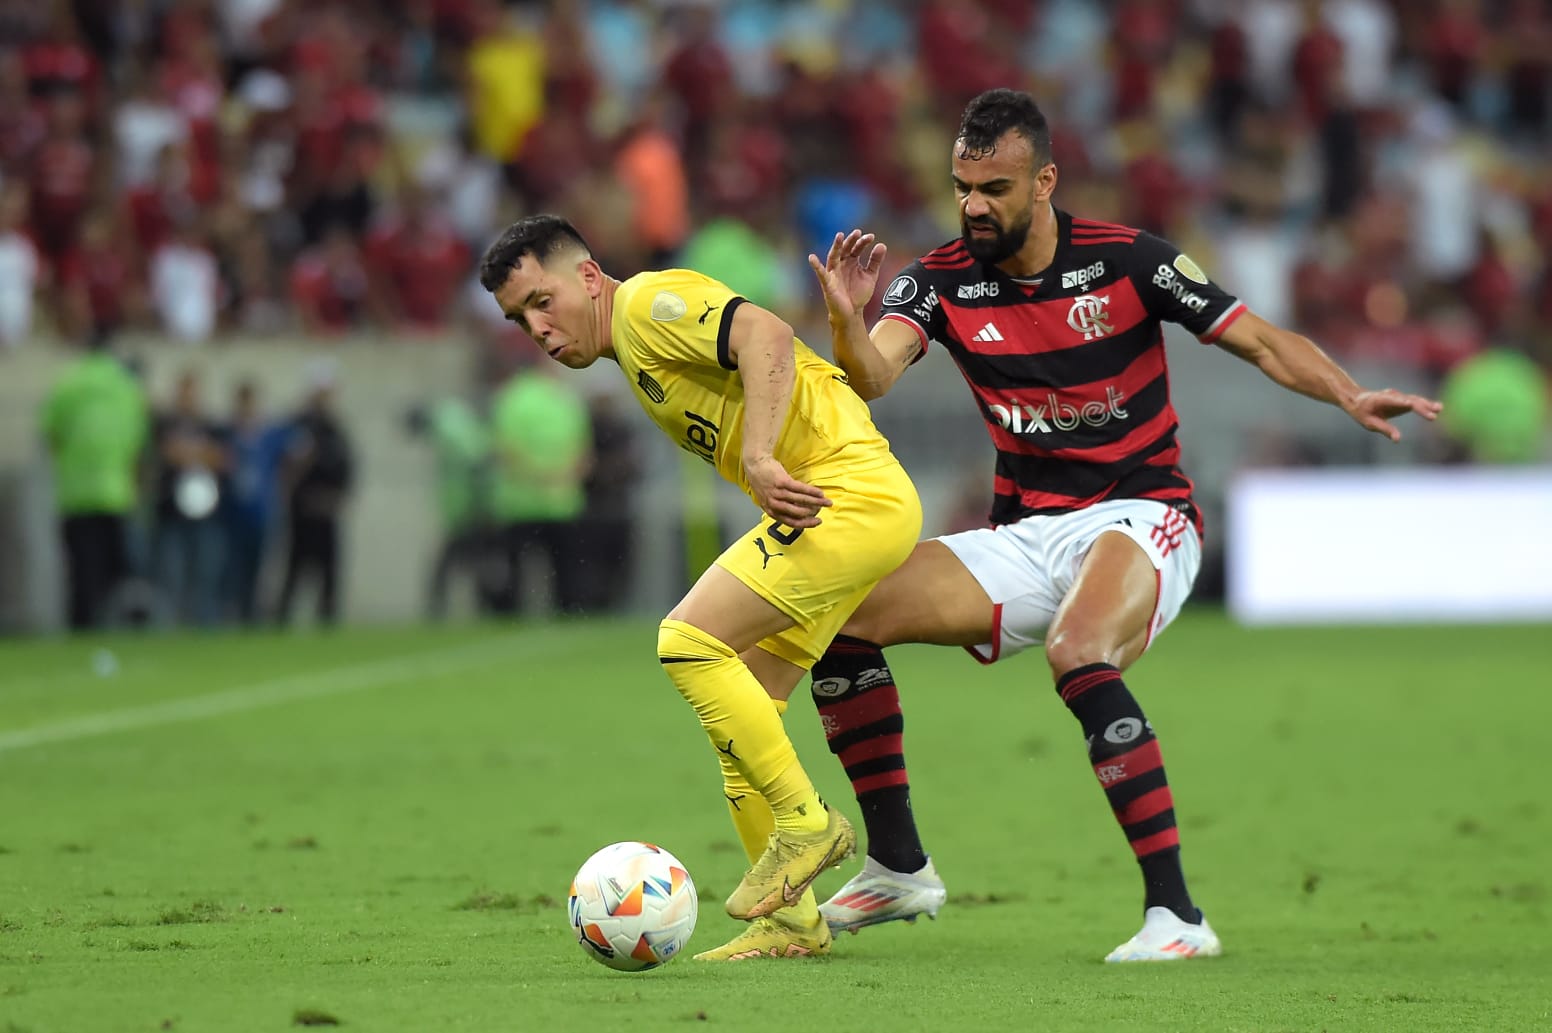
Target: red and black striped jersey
x=1069, y=368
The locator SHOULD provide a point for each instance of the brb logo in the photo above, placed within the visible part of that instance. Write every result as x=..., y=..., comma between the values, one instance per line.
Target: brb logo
x=1055, y=414
x=1080, y=278
x=1089, y=317
x=971, y=291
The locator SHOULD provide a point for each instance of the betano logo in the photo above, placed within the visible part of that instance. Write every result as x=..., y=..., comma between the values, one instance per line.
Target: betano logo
x=1054, y=414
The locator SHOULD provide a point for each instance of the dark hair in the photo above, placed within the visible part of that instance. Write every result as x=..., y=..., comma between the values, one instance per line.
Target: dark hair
x=537, y=235
x=995, y=112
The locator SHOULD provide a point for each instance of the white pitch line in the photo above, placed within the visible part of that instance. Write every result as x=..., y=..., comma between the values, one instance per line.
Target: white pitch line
x=334, y=682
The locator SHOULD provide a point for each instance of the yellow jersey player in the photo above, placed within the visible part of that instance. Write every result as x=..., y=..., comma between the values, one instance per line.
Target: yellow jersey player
x=728, y=381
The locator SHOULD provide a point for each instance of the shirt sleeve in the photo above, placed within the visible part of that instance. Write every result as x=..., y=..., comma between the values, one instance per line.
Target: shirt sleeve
x=912, y=299
x=1174, y=289
x=683, y=316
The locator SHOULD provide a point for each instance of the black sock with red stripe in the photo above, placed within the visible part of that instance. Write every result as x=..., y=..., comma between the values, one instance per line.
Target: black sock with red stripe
x=859, y=707
x=1129, y=766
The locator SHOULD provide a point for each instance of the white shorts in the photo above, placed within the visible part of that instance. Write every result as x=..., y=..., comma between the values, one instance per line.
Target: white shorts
x=1028, y=567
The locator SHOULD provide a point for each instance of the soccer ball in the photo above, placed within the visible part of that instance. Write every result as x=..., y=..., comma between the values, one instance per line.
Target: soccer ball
x=632, y=906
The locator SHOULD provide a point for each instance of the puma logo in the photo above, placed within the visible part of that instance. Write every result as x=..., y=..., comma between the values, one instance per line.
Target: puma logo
x=710, y=308
x=727, y=750
x=733, y=798
x=765, y=554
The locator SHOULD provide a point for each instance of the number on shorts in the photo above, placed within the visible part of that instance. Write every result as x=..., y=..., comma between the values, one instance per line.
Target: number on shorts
x=784, y=535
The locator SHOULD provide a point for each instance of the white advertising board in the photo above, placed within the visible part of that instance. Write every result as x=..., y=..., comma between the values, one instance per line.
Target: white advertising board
x=1389, y=546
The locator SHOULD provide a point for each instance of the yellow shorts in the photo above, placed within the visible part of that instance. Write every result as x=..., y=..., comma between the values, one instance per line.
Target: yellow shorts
x=818, y=576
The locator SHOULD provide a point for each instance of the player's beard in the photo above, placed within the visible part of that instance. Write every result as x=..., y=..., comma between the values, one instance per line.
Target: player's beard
x=1000, y=247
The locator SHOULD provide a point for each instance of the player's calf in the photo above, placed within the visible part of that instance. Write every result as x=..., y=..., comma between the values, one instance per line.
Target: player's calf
x=859, y=707
x=1126, y=760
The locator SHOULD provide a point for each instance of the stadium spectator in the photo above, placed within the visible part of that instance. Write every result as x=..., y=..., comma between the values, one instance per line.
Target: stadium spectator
x=330, y=286
x=319, y=473
x=164, y=200
x=97, y=279
x=192, y=79
x=59, y=59
x=21, y=267
x=699, y=74
x=22, y=125
x=1527, y=56
x=145, y=124
x=470, y=184
x=651, y=168
x=504, y=73
x=188, y=543
x=1497, y=407
x=185, y=283
x=1228, y=85
x=416, y=264
x=1455, y=44
x=62, y=168
x=730, y=250
x=344, y=196
x=95, y=425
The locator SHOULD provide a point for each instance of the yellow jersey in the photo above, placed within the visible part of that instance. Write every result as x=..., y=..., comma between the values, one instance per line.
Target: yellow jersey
x=670, y=332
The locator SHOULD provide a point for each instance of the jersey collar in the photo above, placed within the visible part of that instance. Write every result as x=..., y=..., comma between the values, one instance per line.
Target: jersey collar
x=1047, y=276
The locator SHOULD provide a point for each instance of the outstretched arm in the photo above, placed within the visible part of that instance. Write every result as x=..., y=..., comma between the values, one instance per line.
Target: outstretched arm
x=873, y=362
x=1295, y=362
x=760, y=345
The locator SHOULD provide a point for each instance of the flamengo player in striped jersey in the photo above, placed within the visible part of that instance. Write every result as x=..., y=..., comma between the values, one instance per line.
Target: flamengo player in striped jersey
x=1055, y=323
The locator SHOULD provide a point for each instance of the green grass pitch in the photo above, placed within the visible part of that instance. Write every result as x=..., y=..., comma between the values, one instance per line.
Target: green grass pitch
x=377, y=828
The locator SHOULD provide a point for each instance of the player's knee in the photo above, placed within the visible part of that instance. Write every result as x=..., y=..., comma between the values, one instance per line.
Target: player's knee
x=859, y=626
x=678, y=642
x=1071, y=648
x=874, y=621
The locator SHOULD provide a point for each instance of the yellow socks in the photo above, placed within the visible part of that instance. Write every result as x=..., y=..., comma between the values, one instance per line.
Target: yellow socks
x=752, y=818
x=738, y=717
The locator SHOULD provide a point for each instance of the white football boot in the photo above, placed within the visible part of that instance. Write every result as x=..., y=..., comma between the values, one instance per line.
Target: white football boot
x=1164, y=937
x=876, y=895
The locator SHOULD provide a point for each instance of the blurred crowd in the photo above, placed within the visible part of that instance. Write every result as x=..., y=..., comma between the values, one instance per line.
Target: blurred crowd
x=1378, y=172
x=1375, y=173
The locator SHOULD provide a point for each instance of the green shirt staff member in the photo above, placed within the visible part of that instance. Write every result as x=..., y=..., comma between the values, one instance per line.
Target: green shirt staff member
x=542, y=446
x=95, y=424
